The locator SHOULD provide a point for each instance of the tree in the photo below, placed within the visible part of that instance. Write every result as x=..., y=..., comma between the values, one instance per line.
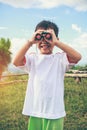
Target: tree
x=5, y=54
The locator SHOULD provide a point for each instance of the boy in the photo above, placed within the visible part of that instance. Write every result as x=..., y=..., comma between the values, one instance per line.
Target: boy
x=44, y=101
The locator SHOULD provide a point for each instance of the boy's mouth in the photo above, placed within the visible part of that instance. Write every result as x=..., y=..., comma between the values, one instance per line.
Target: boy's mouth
x=45, y=45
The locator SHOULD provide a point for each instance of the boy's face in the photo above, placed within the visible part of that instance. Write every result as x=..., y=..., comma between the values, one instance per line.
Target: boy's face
x=44, y=41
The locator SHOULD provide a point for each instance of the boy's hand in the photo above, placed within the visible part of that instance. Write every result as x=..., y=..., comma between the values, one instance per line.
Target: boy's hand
x=54, y=40
x=33, y=40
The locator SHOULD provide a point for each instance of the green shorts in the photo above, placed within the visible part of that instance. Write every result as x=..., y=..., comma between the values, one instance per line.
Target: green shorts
x=36, y=123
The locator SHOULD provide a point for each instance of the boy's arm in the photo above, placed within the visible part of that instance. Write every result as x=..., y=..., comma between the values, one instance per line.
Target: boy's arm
x=20, y=56
x=72, y=55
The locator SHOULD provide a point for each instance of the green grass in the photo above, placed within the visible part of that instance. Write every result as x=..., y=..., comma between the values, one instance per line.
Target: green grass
x=76, y=104
x=11, y=104
x=12, y=99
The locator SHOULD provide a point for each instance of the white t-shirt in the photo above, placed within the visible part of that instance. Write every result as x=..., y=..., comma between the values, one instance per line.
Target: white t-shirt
x=45, y=90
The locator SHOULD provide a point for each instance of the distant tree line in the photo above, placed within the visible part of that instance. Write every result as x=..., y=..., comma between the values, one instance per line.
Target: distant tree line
x=80, y=68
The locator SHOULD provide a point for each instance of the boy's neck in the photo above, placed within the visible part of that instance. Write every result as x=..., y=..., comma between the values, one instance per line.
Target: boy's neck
x=46, y=53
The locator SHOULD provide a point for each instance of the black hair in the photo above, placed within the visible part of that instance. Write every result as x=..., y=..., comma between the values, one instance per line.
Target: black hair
x=48, y=25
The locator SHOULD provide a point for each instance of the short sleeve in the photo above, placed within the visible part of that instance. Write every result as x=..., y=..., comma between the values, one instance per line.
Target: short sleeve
x=66, y=64
x=28, y=60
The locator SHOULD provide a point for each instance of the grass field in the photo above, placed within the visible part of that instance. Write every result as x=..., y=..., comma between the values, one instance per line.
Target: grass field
x=12, y=98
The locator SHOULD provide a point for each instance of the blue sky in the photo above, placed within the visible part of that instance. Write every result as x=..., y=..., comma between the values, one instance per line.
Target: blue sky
x=18, y=21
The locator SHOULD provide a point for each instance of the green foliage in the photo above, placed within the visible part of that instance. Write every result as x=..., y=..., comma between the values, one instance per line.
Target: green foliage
x=80, y=68
x=5, y=44
x=5, y=54
x=12, y=99
x=84, y=68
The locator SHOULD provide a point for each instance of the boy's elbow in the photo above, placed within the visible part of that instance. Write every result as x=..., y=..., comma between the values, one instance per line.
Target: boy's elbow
x=18, y=62
x=78, y=58
x=74, y=59
x=14, y=63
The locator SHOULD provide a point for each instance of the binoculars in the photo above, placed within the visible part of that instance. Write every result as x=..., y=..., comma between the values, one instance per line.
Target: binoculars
x=43, y=35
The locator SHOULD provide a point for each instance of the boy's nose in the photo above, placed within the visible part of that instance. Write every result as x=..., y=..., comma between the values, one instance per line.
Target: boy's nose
x=43, y=39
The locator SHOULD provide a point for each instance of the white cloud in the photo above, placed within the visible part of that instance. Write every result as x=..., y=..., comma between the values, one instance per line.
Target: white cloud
x=3, y=28
x=76, y=28
x=80, y=5
x=80, y=44
x=81, y=41
x=17, y=43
